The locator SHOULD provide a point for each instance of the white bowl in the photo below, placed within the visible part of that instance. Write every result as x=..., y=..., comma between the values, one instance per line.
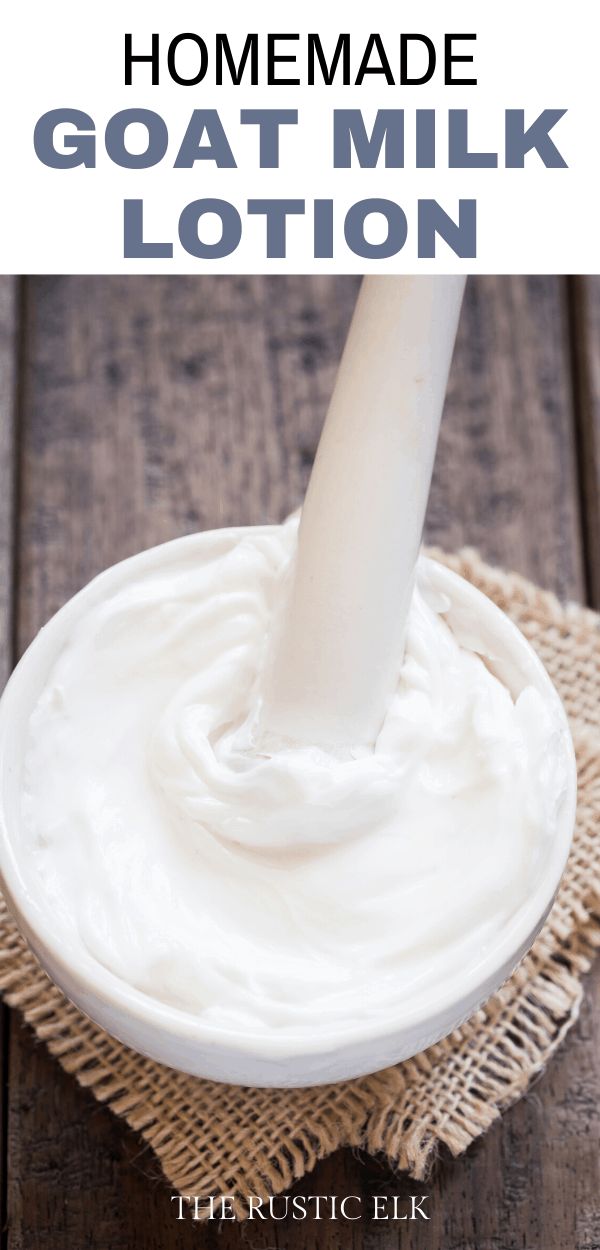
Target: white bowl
x=181, y=1039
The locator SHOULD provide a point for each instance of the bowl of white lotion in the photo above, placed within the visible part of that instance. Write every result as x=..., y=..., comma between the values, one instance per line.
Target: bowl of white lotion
x=279, y=918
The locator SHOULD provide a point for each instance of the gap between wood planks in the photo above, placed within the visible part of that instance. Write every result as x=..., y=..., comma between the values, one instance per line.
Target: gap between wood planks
x=11, y=324
x=583, y=303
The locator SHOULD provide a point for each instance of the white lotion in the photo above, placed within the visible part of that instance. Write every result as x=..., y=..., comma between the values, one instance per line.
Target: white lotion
x=337, y=650
x=295, y=890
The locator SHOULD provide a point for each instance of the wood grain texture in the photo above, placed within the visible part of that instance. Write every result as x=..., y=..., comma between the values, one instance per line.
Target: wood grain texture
x=9, y=300
x=152, y=407
x=506, y=477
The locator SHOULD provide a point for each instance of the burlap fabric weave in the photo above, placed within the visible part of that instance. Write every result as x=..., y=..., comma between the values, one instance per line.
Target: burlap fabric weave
x=216, y=1139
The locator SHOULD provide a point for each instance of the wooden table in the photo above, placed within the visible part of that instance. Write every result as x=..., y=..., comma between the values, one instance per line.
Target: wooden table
x=137, y=409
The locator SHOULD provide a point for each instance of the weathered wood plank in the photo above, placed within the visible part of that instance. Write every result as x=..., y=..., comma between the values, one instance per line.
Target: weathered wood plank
x=505, y=478
x=584, y=292
x=157, y=406
x=9, y=298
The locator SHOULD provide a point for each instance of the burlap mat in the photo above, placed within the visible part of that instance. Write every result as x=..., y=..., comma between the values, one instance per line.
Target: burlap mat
x=216, y=1139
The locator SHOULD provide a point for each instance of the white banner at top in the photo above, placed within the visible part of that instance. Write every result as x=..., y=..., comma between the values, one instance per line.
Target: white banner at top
x=145, y=137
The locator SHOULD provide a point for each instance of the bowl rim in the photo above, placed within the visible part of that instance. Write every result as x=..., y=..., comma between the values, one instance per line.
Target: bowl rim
x=88, y=978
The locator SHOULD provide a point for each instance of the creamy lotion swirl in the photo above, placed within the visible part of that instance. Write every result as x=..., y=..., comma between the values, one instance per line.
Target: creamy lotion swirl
x=291, y=889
